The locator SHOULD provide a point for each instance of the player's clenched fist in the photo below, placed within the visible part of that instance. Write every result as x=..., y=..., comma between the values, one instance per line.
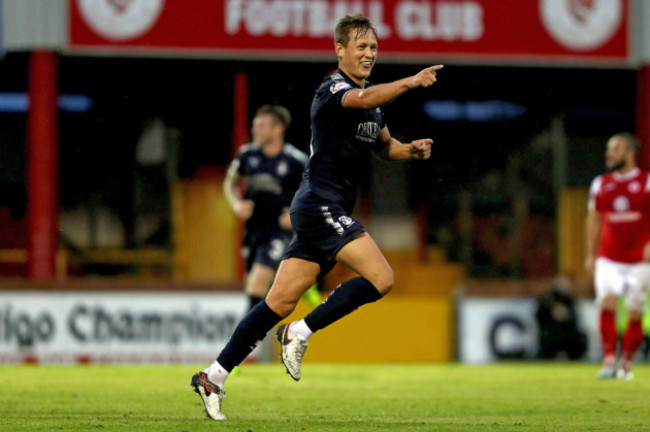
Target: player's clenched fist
x=421, y=149
x=425, y=77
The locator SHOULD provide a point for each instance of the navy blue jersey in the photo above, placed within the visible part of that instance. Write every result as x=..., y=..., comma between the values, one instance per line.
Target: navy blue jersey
x=270, y=182
x=342, y=139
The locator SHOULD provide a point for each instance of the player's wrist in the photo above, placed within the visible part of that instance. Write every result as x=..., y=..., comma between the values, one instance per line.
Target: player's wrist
x=411, y=82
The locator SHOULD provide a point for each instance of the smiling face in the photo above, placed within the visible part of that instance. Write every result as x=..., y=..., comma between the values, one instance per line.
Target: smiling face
x=358, y=57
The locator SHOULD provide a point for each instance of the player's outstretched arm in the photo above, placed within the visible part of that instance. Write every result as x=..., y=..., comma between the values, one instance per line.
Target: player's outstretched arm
x=394, y=150
x=383, y=94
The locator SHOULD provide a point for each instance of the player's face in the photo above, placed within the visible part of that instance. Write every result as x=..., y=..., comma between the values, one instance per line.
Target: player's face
x=358, y=58
x=616, y=155
x=265, y=129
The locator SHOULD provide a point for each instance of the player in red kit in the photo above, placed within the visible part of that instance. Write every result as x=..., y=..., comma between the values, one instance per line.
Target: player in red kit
x=618, y=249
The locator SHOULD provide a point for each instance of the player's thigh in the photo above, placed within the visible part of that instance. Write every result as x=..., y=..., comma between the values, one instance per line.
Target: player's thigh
x=292, y=280
x=636, y=293
x=609, y=281
x=363, y=256
x=259, y=279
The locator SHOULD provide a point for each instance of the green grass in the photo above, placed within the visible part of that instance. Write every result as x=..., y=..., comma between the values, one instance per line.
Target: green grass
x=505, y=397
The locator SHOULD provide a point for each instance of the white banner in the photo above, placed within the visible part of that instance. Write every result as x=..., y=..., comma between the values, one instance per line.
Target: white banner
x=490, y=329
x=117, y=326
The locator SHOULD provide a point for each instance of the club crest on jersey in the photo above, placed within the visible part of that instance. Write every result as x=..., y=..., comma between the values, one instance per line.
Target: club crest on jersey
x=621, y=204
x=336, y=87
x=254, y=162
x=368, y=131
x=282, y=169
x=346, y=221
x=634, y=187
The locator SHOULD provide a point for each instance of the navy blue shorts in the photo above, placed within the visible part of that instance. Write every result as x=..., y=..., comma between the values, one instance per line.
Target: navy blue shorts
x=264, y=246
x=320, y=233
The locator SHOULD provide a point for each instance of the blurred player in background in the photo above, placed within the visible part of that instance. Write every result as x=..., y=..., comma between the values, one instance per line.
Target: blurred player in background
x=618, y=249
x=271, y=171
x=347, y=126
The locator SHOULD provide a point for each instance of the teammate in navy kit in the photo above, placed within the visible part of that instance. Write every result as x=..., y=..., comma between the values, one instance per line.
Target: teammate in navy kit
x=271, y=171
x=347, y=126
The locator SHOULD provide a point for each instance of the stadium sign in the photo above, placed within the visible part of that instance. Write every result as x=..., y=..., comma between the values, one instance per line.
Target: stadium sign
x=120, y=19
x=418, y=30
x=99, y=326
x=492, y=329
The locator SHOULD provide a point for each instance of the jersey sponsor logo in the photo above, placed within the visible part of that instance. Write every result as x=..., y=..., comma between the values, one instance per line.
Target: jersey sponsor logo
x=581, y=25
x=622, y=213
x=368, y=131
x=337, y=87
x=264, y=183
x=120, y=19
x=624, y=217
x=346, y=221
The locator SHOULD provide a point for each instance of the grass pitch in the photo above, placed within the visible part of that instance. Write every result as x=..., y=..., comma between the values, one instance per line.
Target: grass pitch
x=423, y=397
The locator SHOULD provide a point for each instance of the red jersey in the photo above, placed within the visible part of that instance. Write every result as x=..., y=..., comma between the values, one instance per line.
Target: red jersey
x=623, y=200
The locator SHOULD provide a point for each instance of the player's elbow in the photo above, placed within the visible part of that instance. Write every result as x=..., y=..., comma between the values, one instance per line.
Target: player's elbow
x=366, y=104
x=382, y=155
x=359, y=102
x=363, y=99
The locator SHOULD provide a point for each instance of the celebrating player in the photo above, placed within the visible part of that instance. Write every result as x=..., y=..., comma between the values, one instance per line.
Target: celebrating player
x=347, y=125
x=618, y=249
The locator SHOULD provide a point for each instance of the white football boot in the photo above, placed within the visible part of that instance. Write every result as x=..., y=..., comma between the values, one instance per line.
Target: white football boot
x=624, y=373
x=211, y=395
x=293, y=349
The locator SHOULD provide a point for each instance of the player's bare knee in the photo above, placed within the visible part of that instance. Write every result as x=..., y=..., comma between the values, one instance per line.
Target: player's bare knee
x=384, y=283
x=282, y=307
x=609, y=302
x=635, y=314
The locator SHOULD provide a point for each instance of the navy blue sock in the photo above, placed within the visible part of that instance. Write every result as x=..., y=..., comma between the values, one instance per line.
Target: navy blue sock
x=346, y=298
x=252, y=328
x=253, y=300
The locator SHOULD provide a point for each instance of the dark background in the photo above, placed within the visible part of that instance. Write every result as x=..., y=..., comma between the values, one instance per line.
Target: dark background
x=195, y=98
